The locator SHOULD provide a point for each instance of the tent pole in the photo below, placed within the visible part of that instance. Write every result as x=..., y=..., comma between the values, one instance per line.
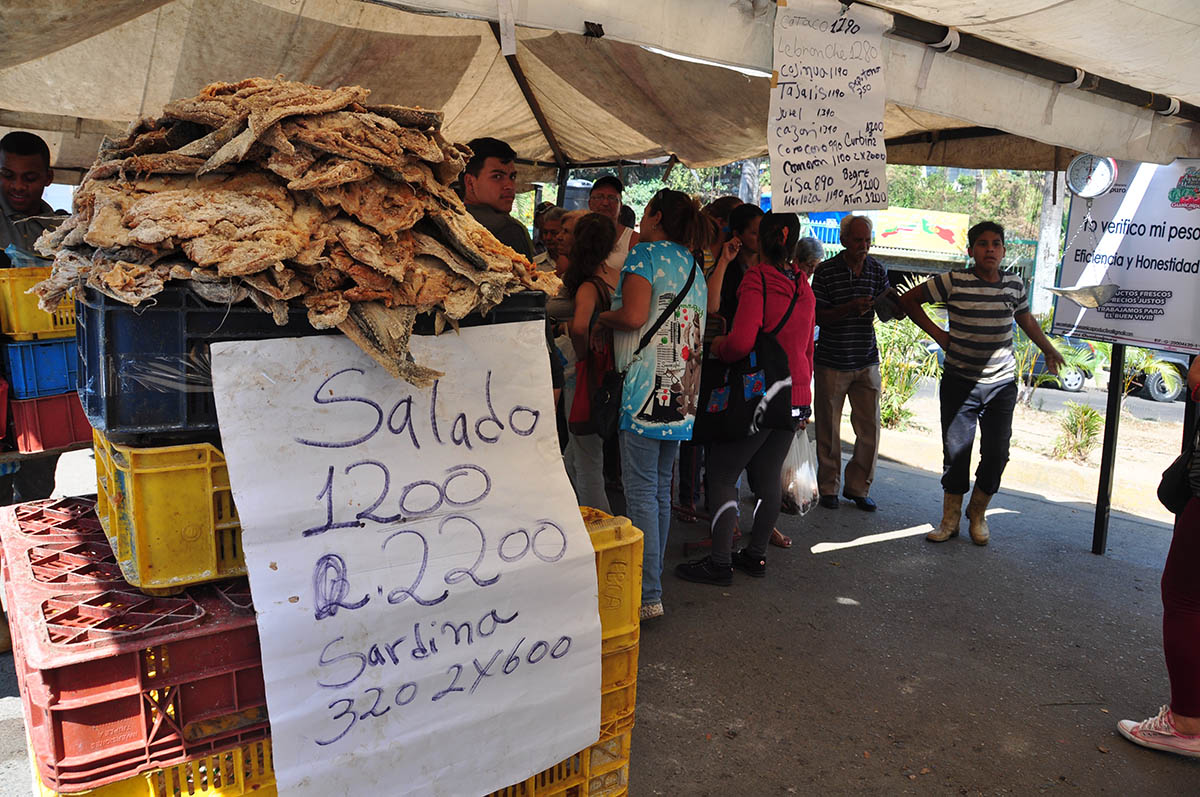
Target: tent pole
x=670, y=166
x=563, y=171
x=1112, y=419
x=535, y=107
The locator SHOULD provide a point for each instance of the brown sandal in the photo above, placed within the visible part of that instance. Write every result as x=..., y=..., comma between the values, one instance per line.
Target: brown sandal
x=780, y=540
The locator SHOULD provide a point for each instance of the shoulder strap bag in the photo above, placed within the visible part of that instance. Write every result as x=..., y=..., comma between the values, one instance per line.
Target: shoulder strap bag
x=738, y=399
x=606, y=401
x=1177, y=485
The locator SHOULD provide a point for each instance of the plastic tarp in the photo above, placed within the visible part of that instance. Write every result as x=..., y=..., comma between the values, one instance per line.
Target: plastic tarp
x=75, y=70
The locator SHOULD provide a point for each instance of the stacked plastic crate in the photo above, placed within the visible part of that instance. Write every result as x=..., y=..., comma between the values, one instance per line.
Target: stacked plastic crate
x=125, y=693
x=603, y=768
x=40, y=360
x=134, y=633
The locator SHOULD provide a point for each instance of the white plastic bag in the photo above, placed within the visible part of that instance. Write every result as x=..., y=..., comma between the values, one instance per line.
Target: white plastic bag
x=800, y=476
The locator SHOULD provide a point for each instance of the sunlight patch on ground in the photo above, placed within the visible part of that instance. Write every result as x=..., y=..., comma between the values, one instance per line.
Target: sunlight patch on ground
x=924, y=528
x=826, y=547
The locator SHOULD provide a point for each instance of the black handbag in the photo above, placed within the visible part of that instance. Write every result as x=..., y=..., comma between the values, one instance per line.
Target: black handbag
x=606, y=401
x=1175, y=488
x=741, y=398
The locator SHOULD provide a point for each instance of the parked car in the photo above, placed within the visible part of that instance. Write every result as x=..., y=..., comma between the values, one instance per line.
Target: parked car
x=1070, y=378
x=1155, y=387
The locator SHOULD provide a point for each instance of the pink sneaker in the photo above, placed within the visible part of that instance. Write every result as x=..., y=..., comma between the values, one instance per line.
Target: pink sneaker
x=1158, y=733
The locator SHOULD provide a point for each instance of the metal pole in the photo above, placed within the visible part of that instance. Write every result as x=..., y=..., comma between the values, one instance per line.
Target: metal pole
x=1112, y=419
x=1189, y=411
x=562, y=185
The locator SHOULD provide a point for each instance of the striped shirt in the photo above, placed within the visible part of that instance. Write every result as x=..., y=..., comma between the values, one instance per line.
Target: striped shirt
x=847, y=344
x=981, y=322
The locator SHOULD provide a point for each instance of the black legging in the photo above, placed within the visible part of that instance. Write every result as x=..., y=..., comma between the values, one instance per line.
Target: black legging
x=761, y=455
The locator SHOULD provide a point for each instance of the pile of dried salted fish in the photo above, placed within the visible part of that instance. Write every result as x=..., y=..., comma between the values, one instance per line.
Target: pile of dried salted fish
x=290, y=193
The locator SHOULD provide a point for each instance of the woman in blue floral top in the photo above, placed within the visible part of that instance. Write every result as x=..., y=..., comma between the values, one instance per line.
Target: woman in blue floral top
x=662, y=380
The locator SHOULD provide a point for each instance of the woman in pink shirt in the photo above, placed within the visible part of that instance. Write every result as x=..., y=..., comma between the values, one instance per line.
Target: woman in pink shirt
x=762, y=453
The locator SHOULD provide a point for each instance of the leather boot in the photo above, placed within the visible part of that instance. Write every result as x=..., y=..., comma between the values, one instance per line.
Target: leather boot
x=975, y=514
x=951, y=509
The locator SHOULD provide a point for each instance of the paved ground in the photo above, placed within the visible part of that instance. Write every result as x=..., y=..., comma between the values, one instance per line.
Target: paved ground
x=870, y=661
x=891, y=665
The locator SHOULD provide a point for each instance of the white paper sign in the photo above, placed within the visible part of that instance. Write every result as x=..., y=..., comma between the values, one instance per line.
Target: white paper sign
x=1142, y=238
x=425, y=587
x=825, y=131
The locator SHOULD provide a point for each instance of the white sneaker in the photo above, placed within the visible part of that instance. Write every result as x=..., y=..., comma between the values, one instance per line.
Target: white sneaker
x=1159, y=733
x=650, y=610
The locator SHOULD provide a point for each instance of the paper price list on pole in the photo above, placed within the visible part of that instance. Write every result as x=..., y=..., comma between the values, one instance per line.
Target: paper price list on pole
x=825, y=130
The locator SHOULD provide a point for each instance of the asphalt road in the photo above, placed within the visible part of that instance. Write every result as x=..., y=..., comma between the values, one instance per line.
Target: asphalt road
x=1052, y=400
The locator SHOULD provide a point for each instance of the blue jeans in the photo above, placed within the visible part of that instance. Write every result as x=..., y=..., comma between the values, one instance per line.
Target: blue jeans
x=646, y=466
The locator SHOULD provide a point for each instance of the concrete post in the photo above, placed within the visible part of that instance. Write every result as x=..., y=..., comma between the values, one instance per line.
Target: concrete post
x=1045, y=270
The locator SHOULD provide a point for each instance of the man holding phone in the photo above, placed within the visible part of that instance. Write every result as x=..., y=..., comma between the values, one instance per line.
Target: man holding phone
x=846, y=365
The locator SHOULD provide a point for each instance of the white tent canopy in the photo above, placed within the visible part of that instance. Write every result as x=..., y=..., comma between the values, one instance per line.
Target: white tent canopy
x=74, y=70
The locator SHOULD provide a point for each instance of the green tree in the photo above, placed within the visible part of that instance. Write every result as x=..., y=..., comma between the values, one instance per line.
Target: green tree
x=1013, y=199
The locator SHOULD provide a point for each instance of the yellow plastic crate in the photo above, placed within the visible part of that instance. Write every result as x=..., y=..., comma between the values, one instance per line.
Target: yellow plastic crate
x=231, y=773
x=20, y=316
x=618, y=548
x=618, y=684
x=602, y=770
x=168, y=513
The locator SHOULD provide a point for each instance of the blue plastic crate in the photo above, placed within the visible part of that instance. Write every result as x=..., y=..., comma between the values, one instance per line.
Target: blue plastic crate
x=144, y=372
x=41, y=367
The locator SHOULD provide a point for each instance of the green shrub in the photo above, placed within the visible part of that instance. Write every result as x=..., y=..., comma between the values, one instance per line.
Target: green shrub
x=1080, y=427
x=904, y=361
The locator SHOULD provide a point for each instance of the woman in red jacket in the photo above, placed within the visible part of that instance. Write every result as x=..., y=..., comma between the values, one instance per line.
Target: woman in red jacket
x=762, y=453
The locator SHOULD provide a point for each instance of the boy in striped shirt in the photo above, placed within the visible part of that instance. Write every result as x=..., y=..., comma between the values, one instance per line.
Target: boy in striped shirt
x=979, y=381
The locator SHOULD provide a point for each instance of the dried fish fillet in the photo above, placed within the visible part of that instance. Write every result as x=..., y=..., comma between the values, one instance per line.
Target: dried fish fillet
x=384, y=206
x=420, y=118
x=330, y=173
x=384, y=334
x=290, y=194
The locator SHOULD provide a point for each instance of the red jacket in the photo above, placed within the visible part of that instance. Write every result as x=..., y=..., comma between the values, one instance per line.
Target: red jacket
x=796, y=337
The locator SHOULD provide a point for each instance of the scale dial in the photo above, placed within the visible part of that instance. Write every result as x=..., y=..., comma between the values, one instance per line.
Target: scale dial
x=1089, y=176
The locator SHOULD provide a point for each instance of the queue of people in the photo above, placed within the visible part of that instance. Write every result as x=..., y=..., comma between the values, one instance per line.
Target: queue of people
x=642, y=303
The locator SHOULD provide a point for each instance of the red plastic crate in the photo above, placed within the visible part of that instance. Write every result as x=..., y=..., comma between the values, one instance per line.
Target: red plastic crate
x=50, y=422
x=4, y=404
x=54, y=523
x=113, y=682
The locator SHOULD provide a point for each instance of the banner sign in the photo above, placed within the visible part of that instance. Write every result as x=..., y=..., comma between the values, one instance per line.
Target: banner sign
x=825, y=130
x=921, y=230
x=1137, y=247
x=425, y=586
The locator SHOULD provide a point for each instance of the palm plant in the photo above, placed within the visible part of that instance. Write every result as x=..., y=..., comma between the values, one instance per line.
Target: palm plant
x=1080, y=427
x=904, y=360
x=1139, y=363
x=1026, y=355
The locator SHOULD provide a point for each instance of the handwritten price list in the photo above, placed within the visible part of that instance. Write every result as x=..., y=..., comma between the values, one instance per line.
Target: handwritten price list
x=826, y=116
x=418, y=563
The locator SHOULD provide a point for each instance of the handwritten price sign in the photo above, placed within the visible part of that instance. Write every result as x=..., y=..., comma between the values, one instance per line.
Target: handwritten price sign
x=425, y=588
x=825, y=130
